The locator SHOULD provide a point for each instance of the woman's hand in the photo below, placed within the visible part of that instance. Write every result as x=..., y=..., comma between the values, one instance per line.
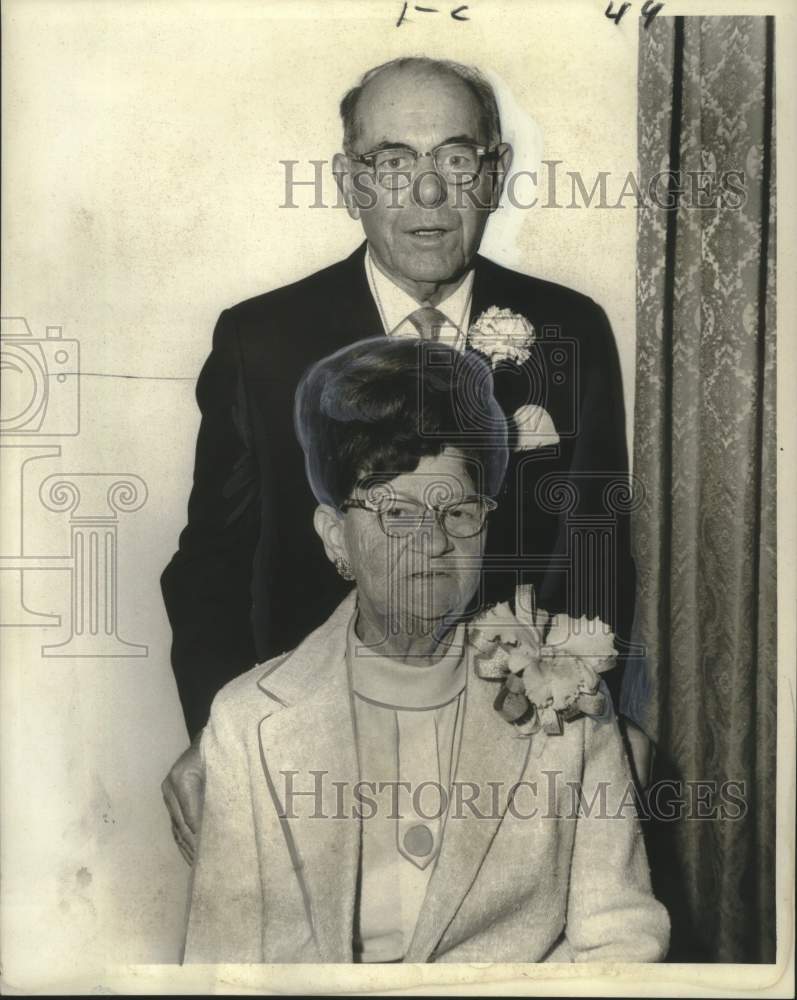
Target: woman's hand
x=183, y=790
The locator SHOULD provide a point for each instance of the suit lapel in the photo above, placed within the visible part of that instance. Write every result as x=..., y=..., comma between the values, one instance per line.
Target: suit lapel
x=483, y=290
x=491, y=758
x=307, y=744
x=355, y=313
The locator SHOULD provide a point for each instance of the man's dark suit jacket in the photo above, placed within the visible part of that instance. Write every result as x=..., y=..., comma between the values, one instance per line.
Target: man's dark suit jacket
x=250, y=579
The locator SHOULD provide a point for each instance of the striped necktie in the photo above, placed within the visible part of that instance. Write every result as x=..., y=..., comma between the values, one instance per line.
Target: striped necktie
x=427, y=321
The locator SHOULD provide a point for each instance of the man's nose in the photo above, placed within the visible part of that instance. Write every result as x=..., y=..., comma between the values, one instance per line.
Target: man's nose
x=429, y=187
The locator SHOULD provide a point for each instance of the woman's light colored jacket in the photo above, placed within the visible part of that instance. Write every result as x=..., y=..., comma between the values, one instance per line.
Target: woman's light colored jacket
x=276, y=873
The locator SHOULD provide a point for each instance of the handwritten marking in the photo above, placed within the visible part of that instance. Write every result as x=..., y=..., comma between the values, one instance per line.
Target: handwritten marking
x=457, y=14
x=616, y=16
x=648, y=12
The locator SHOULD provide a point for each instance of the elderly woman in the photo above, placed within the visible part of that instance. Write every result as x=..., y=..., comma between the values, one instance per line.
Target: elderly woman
x=387, y=791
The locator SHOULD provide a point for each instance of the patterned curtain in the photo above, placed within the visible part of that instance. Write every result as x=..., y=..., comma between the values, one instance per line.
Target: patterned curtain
x=705, y=450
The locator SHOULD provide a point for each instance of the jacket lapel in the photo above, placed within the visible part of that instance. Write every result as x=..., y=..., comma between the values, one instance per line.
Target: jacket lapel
x=307, y=745
x=483, y=290
x=355, y=313
x=492, y=758
x=311, y=729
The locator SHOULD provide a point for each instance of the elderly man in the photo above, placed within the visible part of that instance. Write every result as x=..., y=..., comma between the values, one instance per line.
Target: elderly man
x=422, y=169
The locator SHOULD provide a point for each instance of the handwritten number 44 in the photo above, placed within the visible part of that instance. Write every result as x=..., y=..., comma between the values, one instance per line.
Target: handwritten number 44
x=649, y=11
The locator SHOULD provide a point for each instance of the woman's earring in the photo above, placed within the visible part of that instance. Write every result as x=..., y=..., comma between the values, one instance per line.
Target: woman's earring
x=343, y=568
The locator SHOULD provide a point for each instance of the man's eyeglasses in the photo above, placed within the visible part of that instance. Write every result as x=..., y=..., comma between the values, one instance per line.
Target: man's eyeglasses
x=400, y=517
x=457, y=163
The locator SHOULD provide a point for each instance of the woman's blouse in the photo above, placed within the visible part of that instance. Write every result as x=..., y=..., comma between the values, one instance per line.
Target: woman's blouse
x=408, y=720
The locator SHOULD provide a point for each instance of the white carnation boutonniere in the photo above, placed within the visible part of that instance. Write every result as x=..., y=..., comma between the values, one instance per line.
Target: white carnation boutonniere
x=548, y=666
x=502, y=335
x=505, y=336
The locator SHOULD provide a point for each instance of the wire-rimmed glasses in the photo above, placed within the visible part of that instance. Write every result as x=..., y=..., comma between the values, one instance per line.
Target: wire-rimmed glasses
x=401, y=517
x=457, y=163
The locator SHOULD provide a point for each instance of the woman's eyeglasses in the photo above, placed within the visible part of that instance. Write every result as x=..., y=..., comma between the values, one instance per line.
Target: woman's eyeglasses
x=457, y=163
x=400, y=517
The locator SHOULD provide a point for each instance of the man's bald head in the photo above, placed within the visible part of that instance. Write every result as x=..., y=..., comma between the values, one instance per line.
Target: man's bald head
x=467, y=77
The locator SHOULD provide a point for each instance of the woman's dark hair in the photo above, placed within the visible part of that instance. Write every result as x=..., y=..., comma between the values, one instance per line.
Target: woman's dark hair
x=377, y=407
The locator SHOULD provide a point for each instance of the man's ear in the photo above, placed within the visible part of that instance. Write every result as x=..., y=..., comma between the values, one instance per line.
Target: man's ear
x=329, y=528
x=499, y=173
x=341, y=168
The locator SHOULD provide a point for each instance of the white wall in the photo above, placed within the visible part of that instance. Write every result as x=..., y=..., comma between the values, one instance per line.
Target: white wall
x=141, y=193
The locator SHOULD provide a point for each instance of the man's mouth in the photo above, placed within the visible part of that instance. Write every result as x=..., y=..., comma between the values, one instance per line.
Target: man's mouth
x=428, y=234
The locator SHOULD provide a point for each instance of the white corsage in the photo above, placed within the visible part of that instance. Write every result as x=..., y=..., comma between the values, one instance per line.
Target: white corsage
x=502, y=335
x=535, y=428
x=548, y=667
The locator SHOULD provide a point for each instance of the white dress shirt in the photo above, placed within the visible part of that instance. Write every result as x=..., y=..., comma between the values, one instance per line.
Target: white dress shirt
x=408, y=721
x=395, y=305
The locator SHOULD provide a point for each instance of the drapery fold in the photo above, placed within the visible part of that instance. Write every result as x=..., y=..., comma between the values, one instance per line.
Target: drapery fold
x=705, y=449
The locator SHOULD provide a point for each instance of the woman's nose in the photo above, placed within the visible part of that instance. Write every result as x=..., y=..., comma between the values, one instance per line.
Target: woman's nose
x=432, y=537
